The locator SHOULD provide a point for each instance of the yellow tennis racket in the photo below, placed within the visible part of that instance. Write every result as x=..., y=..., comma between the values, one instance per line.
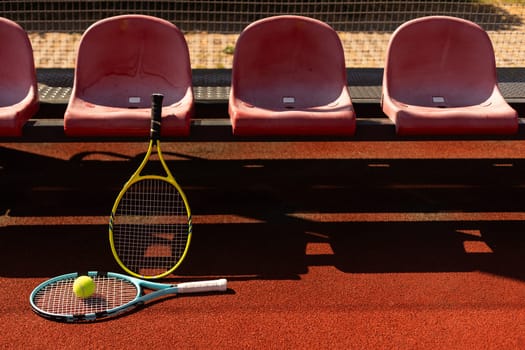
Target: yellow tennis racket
x=150, y=224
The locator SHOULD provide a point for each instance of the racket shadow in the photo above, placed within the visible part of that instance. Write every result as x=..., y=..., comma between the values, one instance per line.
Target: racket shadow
x=144, y=306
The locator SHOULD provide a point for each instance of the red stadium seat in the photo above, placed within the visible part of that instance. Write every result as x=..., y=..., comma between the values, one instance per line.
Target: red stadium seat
x=440, y=78
x=18, y=83
x=289, y=78
x=121, y=61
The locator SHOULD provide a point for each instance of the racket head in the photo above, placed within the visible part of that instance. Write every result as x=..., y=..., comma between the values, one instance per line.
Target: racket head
x=54, y=299
x=150, y=227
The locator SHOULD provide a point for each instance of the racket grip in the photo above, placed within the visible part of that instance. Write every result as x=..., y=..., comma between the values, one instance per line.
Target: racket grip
x=156, y=115
x=219, y=285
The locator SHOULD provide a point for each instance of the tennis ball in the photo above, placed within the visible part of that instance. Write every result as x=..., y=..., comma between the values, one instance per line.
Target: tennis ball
x=84, y=287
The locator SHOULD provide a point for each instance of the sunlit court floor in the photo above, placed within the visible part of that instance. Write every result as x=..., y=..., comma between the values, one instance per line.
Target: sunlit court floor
x=330, y=245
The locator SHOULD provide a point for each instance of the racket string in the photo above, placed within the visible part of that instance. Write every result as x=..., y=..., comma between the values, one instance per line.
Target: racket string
x=151, y=227
x=58, y=297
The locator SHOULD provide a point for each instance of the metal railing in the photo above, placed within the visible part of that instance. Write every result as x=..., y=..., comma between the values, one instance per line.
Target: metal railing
x=212, y=27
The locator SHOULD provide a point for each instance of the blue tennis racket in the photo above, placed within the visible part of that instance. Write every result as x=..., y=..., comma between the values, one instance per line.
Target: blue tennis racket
x=115, y=294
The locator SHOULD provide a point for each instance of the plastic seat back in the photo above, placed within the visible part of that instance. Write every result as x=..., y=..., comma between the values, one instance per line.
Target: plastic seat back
x=444, y=63
x=18, y=83
x=289, y=77
x=121, y=61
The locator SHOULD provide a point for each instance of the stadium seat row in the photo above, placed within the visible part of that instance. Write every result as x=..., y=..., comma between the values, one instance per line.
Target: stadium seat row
x=288, y=78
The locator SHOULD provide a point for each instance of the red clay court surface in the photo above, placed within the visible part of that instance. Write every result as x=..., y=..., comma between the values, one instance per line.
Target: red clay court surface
x=326, y=245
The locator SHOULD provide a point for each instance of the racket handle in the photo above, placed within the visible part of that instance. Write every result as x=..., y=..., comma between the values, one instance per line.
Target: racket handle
x=219, y=285
x=156, y=115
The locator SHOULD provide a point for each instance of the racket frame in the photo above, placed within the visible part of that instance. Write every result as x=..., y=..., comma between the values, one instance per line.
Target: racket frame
x=136, y=177
x=159, y=290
